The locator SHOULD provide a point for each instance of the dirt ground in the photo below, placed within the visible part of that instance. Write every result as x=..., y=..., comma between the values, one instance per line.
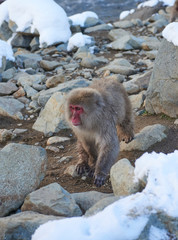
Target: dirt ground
x=55, y=170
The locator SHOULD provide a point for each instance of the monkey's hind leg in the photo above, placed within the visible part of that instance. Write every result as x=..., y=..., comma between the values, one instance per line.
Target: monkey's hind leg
x=82, y=164
x=125, y=130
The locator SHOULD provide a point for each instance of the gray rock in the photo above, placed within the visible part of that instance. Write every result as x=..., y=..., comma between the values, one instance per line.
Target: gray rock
x=91, y=21
x=8, y=74
x=65, y=87
x=52, y=200
x=137, y=100
x=161, y=224
x=11, y=107
x=145, y=138
x=122, y=178
x=24, y=78
x=30, y=92
x=71, y=171
x=93, y=61
x=12, y=26
x=3, y=64
x=131, y=87
x=115, y=34
x=121, y=66
x=100, y=205
x=49, y=65
x=86, y=200
x=51, y=118
x=7, y=88
x=101, y=27
x=56, y=139
x=150, y=43
x=22, y=225
x=34, y=44
x=151, y=54
x=126, y=42
x=22, y=168
x=28, y=59
x=163, y=87
x=5, y=32
x=6, y=135
x=21, y=40
x=123, y=24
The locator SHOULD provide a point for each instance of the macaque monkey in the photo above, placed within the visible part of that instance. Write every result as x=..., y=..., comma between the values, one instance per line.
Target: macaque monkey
x=174, y=12
x=96, y=114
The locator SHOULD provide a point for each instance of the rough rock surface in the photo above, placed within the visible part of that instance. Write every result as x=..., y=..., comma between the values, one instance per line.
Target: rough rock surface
x=52, y=200
x=22, y=167
x=163, y=87
x=122, y=178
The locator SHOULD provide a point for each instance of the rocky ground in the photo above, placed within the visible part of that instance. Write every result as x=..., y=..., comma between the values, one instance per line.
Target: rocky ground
x=31, y=99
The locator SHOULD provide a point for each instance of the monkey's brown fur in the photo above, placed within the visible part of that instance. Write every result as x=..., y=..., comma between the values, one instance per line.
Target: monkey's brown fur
x=174, y=12
x=107, y=110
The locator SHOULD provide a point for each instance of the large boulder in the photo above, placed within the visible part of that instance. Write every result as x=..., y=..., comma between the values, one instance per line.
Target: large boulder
x=162, y=93
x=22, y=167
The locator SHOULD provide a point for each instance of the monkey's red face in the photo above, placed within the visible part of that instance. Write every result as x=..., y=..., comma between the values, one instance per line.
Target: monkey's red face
x=76, y=111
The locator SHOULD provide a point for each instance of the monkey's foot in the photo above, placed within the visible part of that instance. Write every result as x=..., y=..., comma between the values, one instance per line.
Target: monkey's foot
x=91, y=172
x=82, y=168
x=99, y=180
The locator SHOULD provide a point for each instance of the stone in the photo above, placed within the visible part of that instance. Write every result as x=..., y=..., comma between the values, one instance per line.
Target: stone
x=86, y=200
x=101, y=27
x=65, y=87
x=49, y=65
x=24, y=79
x=5, y=32
x=115, y=34
x=151, y=54
x=3, y=64
x=162, y=91
x=131, y=87
x=122, y=178
x=126, y=42
x=123, y=24
x=148, y=136
x=21, y=40
x=52, y=200
x=29, y=60
x=71, y=171
x=22, y=167
x=19, y=93
x=12, y=26
x=6, y=135
x=120, y=66
x=11, y=107
x=22, y=225
x=34, y=44
x=8, y=74
x=100, y=205
x=92, y=61
x=30, y=92
x=7, y=88
x=52, y=148
x=57, y=139
x=51, y=118
x=150, y=43
x=137, y=100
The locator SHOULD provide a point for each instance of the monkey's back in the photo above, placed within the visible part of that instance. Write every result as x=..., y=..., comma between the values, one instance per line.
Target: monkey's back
x=114, y=95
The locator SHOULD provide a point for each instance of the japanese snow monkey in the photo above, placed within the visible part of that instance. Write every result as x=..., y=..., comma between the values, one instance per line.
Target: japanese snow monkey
x=174, y=12
x=98, y=114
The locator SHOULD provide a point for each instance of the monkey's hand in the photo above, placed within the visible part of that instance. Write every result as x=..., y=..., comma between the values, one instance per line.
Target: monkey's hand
x=99, y=180
x=127, y=139
x=82, y=168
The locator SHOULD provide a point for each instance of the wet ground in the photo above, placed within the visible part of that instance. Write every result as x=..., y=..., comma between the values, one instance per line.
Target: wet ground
x=106, y=10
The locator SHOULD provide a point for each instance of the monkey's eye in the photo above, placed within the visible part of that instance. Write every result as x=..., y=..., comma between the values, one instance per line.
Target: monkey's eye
x=78, y=108
x=71, y=108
